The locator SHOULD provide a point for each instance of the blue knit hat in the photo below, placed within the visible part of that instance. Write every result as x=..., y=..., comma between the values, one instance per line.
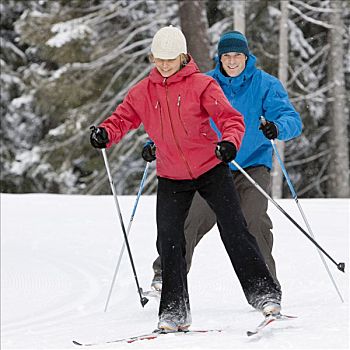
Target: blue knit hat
x=233, y=42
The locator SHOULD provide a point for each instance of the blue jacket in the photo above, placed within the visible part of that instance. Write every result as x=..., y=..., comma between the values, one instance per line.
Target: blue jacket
x=255, y=93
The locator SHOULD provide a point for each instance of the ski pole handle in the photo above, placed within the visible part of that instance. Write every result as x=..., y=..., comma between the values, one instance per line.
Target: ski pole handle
x=294, y=195
x=262, y=120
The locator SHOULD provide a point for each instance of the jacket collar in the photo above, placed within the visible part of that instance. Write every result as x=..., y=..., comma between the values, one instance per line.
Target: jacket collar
x=235, y=82
x=189, y=69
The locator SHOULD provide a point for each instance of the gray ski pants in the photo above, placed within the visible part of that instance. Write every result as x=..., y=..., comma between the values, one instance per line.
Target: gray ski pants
x=201, y=218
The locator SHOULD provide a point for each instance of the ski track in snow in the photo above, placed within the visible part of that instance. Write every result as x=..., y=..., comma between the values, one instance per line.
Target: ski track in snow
x=58, y=255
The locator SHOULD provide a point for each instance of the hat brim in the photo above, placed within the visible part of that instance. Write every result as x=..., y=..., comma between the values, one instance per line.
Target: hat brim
x=165, y=55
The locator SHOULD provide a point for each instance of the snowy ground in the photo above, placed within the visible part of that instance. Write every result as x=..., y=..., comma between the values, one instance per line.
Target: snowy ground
x=58, y=255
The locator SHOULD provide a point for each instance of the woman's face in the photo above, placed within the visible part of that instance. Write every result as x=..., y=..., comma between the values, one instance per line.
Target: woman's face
x=168, y=67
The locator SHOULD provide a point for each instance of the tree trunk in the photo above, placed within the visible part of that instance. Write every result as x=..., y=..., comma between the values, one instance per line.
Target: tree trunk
x=338, y=183
x=239, y=16
x=194, y=24
x=277, y=175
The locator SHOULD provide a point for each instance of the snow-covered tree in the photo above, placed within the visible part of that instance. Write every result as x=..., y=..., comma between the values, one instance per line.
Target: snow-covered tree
x=82, y=61
x=65, y=65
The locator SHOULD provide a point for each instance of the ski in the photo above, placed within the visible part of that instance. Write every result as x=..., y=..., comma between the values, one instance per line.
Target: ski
x=148, y=336
x=268, y=320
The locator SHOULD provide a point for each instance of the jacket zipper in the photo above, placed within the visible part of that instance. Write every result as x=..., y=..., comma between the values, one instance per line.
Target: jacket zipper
x=161, y=119
x=179, y=114
x=173, y=130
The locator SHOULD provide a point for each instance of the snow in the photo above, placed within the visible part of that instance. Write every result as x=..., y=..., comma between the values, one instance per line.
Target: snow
x=58, y=255
x=25, y=159
x=21, y=101
x=66, y=32
x=58, y=131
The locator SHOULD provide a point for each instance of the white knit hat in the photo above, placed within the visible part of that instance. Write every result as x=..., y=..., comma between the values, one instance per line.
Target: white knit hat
x=168, y=43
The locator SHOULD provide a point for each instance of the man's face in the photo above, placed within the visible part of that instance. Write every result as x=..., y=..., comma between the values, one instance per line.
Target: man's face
x=233, y=63
x=168, y=67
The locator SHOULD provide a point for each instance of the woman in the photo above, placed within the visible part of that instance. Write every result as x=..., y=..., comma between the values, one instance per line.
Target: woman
x=174, y=104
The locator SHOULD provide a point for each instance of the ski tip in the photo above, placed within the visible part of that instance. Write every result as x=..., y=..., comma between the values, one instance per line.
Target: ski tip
x=77, y=343
x=286, y=317
x=250, y=333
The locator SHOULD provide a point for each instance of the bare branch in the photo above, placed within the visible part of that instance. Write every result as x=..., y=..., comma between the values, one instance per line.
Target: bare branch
x=266, y=53
x=309, y=19
x=120, y=71
x=307, y=64
x=307, y=160
x=313, y=94
x=312, y=8
x=314, y=184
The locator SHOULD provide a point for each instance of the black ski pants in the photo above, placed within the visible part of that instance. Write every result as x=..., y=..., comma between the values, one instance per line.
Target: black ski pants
x=254, y=205
x=174, y=198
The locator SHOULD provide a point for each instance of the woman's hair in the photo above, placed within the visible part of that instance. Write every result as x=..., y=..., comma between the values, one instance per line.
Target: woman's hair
x=184, y=57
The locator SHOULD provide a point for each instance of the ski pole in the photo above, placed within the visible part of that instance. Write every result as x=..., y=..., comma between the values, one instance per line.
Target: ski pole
x=127, y=232
x=295, y=197
x=143, y=300
x=340, y=266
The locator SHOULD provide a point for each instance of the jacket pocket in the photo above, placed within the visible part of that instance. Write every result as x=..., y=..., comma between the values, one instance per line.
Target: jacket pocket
x=208, y=133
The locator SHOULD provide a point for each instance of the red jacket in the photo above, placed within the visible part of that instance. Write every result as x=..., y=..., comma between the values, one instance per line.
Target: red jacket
x=175, y=113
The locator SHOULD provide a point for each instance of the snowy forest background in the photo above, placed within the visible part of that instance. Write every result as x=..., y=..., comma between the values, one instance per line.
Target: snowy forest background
x=66, y=64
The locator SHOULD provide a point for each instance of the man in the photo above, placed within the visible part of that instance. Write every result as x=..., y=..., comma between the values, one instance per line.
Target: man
x=254, y=93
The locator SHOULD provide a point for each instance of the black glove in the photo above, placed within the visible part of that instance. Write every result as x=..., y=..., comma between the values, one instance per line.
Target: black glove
x=98, y=137
x=149, y=152
x=226, y=151
x=269, y=129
